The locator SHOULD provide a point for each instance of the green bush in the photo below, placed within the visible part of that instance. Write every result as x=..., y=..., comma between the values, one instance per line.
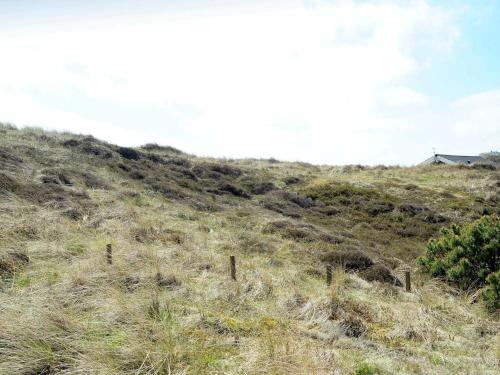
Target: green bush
x=468, y=256
x=366, y=369
x=491, y=294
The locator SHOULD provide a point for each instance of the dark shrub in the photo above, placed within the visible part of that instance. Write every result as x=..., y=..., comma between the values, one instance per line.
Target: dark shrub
x=180, y=162
x=467, y=255
x=408, y=231
x=123, y=167
x=204, y=206
x=411, y=187
x=167, y=189
x=259, y=188
x=51, y=193
x=353, y=168
x=304, y=202
x=11, y=263
x=325, y=237
x=19, y=257
x=327, y=210
x=283, y=207
x=411, y=209
x=43, y=193
x=377, y=208
x=299, y=200
x=479, y=200
x=49, y=180
x=447, y=194
x=234, y=190
x=433, y=218
x=382, y=167
x=300, y=232
x=169, y=281
x=90, y=146
x=292, y=180
x=287, y=203
x=152, y=146
x=72, y=213
x=352, y=259
x=7, y=183
x=155, y=158
x=484, y=166
x=64, y=179
x=137, y=175
x=71, y=143
x=343, y=193
x=216, y=170
x=129, y=153
x=353, y=326
x=92, y=181
x=379, y=272
x=55, y=176
x=9, y=157
x=225, y=170
x=130, y=283
x=183, y=171
x=166, y=149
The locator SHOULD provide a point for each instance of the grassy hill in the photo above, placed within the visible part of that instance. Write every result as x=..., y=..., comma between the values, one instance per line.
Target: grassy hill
x=166, y=304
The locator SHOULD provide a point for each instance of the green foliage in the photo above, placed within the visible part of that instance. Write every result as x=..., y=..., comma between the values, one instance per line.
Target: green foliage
x=76, y=248
x=491, y=294
x=22, y=281
x=366, y=369
x=468, y=256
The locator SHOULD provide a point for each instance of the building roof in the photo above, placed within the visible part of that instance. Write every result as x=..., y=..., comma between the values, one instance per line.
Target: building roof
x=462, y=159
x=453, y=159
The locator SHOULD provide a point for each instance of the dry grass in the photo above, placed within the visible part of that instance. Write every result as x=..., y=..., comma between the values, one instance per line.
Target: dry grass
x=167, y=305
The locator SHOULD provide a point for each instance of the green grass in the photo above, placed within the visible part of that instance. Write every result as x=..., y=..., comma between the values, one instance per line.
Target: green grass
x=366, y=369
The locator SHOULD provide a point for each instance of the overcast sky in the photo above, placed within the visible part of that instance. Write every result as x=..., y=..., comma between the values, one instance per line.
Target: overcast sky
x=335, y=82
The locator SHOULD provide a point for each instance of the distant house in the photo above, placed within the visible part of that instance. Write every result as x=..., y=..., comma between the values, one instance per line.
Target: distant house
x=452, y=159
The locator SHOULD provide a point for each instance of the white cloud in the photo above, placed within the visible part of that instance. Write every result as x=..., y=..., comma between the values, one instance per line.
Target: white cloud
x=294, y=81
x=25, y=111
x=478, y=116
x=402, y=96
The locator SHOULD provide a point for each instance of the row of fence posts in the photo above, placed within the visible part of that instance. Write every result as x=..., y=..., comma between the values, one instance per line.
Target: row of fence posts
x=232, y=265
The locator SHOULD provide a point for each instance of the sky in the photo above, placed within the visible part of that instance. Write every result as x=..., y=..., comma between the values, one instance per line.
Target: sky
x=326, y=82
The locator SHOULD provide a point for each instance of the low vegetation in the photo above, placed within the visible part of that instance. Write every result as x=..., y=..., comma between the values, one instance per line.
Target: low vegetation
x=469, y=256
x=166, y=303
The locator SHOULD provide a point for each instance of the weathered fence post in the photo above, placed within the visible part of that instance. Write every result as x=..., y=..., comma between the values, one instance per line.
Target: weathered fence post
x=232, y=260
x=328, y=275
x=408, y=280
x=109, y=253
x=158, y=278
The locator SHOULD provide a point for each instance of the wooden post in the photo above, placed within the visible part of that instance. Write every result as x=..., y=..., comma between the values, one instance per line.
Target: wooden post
x=158, y=278
x=109, y=253
x=328, y=275
x=232, y=260
x=408, y=280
